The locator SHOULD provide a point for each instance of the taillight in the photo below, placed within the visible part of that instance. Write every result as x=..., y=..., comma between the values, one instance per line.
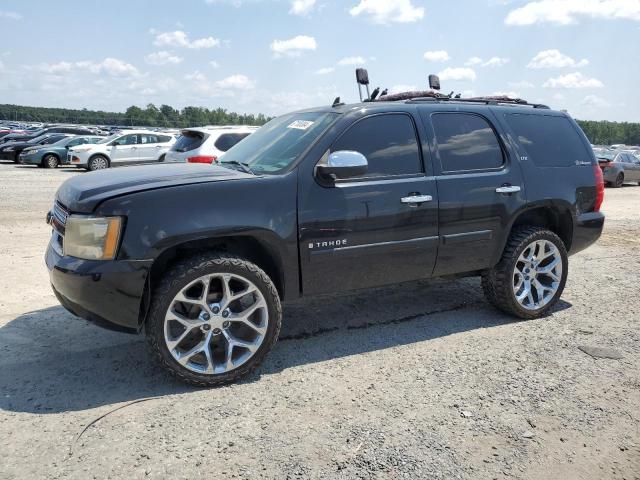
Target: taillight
x=202, y=159
x=599, y=188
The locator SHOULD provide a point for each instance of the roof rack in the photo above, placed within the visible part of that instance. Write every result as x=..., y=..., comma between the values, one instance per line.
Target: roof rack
x=490, y=100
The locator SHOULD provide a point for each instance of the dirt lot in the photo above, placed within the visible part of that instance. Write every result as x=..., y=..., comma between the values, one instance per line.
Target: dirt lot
x=415, y=381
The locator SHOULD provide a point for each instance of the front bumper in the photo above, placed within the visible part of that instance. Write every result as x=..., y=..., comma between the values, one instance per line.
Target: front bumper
x=29, y=159
x=586, y=231
x=107, y=293
x=11, y=155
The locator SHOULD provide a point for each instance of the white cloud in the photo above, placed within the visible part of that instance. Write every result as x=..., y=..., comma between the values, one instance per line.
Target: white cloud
x=495, y=62
x=302, y=7
x=594, y=101
x=573, y=80
x=237, y=82
x=521, y=84
x=555, y=59
x=437, y=56
x=325, y=70
x=162, y=58
x=347, y=61
x=565, y=12
x=109, y=66
x=293, y=47
x=10, y=15
x=502, y=93
x=214, y=64
x=473, y=61
x=178, y=38
x=457, y=73
x=387, y=11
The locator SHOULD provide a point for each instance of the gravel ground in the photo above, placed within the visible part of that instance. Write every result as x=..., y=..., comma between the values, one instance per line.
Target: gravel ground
x=423, y=380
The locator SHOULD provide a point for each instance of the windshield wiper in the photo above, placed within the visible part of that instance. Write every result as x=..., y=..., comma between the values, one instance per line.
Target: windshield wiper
x=243, y=166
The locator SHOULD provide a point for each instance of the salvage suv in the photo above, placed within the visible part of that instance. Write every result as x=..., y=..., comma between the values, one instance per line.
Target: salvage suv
x=201, y=257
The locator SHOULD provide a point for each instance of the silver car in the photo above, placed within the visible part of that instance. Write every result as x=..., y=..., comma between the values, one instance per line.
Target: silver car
x=618, y=167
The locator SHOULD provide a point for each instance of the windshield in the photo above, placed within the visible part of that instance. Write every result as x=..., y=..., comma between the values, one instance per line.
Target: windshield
x=37, y=139
x=604, y=154
x=275, y=146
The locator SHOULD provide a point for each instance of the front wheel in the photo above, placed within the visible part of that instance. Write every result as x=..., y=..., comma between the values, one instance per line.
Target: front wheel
x=97, y=163
x=529, y=279
x=213, y=319
x=50, y=161
x=619, y=181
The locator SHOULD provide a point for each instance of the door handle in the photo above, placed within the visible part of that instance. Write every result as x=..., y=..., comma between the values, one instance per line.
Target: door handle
x=416, y=199
x=508, y=189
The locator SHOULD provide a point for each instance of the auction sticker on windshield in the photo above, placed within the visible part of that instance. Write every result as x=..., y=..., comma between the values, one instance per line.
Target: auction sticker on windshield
x=300, y=124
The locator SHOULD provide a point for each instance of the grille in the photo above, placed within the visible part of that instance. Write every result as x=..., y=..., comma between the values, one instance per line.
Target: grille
x=60, y=213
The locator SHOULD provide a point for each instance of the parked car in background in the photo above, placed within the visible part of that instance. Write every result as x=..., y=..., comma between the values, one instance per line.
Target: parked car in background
x=12, y=150
x=54, y=154
x=617, y=166
x=123, y=148
x=57, y=129
x=206, y=144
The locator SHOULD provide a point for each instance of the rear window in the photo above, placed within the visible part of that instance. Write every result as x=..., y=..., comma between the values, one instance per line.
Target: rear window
x=549, y=141
x=228, y=140
x=466, y=142
x=189, y=141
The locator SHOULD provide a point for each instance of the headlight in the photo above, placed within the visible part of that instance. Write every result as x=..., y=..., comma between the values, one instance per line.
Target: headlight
x=92, y=238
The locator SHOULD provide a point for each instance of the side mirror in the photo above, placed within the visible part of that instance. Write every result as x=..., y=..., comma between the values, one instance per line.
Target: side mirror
x=344, y=164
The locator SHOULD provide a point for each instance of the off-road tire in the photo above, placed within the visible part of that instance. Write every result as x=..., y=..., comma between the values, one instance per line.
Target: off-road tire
x=93, y=161
x=185, y=272
x=497, y=282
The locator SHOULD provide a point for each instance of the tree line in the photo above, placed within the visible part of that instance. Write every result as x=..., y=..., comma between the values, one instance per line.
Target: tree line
x=599, y=132
x=151, y=116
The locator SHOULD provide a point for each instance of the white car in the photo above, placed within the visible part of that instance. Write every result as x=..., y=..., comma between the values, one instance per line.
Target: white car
x=123, y=148
x=206, y=144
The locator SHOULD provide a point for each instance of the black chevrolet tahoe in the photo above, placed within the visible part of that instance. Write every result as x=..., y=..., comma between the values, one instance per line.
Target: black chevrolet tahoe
x=201, y=257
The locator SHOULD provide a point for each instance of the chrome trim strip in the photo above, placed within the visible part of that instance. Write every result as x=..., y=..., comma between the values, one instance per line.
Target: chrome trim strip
x=379, y=244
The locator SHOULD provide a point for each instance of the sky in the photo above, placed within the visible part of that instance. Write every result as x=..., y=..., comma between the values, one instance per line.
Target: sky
x=275, y=56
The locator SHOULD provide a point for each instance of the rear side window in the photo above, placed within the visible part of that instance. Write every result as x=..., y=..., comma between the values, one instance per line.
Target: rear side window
x=466, y=142
x=163, y=139
x=148, y=139
x=228, y=140
x=189, y=141
x=387, y=141
x=549, y=141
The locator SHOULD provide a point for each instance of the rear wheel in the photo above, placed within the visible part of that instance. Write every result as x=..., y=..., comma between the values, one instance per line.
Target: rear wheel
x=50, y=161
x=213, y=319
x=619, y=181
x=98, y=162
x=162, y=157
x=529, y=279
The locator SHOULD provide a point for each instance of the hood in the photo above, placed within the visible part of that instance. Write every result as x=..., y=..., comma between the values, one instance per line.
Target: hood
x=84, y=192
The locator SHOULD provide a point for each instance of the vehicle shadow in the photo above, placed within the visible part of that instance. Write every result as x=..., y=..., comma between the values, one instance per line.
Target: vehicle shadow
x=52, y=362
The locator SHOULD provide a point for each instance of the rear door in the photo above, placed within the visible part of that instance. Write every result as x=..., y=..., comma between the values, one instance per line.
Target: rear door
x=369, y=231
x=148, y=148
x=480, y=187
x=631, y=170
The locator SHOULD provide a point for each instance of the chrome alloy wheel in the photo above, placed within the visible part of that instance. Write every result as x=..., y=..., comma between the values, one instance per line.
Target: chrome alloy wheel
x=537, y=274
x=216, y=323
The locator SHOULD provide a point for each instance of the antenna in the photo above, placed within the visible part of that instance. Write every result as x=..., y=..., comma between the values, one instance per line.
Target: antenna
x=362, y=77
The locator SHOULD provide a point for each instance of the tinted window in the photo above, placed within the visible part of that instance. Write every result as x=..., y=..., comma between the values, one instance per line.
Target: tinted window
x=228, y=140
x=163, y=139
x=77, y=141
x=189, y=141
x=466, y=142
x=389, y=143
x=52, y=139
x=127, y=140
x=549, y=141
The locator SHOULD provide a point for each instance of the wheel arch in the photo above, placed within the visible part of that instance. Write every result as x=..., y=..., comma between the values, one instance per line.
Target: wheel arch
x=99, y=154
x=555, y=216
x=252, y=248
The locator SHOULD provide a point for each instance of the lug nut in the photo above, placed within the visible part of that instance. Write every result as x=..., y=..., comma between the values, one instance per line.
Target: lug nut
x=206, y=316
x=217, y=331
x=226, y=324
x=206, y=328
x=215, y=309
x=225, y=313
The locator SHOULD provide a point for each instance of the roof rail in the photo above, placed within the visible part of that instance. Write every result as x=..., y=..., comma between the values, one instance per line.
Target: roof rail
x=431, y=96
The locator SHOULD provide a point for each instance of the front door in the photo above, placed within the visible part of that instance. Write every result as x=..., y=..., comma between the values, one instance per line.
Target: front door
x=480, y=187
x=378, y=229
x=124, y=149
